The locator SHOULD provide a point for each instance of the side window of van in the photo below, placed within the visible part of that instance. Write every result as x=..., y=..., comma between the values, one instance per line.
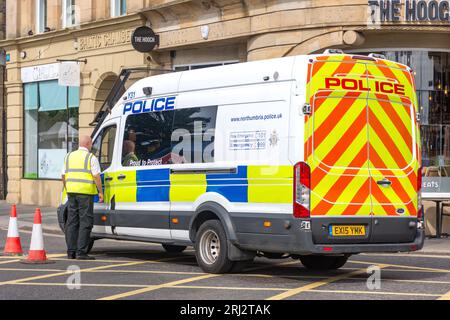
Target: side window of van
x=147, y=139
x=103, y=146
x=170, y=137
x=193, y=135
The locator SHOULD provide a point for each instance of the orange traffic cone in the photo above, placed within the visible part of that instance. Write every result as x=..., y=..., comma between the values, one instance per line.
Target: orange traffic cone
x=37, y=254
x=13, y=246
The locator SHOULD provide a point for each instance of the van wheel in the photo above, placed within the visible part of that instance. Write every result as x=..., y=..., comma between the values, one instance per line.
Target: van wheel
x=173, y=249
x=211, y=248
x=323, y=262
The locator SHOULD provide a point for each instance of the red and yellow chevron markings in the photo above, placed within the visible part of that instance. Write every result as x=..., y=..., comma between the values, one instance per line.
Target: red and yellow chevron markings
x=361, y=130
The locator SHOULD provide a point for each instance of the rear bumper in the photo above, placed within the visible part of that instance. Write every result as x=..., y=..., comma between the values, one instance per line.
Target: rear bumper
x=301, y=242
x=416, y=245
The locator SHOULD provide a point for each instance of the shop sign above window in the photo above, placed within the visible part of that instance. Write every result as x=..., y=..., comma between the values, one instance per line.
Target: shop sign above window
x=144, y=39
x=40, y=73
x=382, y=11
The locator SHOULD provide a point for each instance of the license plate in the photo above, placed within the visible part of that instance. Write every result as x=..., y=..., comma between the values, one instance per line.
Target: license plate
x=348, y=231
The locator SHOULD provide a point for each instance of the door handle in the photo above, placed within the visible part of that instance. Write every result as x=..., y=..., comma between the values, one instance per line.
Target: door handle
x=121, y=177
x=384, y=183
x=109, y=179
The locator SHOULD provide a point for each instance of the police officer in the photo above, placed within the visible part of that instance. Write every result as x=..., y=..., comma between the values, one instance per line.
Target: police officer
x=81, y=179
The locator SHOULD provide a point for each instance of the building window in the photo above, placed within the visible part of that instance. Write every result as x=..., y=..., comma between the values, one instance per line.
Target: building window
x=50, y=127
x=41, y=15
x=195, y=66
x=118, y=8
x=71, y=13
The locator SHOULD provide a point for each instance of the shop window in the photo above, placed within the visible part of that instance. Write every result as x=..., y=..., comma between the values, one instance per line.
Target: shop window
x=50, y=128
x=41, y=15
x=118, y=8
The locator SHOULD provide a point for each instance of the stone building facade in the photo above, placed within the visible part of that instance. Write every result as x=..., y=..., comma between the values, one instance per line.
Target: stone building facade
x=3, y=176
x=197, y=33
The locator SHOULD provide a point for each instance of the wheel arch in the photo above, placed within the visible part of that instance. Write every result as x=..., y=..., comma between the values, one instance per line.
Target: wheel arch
x=212, y=211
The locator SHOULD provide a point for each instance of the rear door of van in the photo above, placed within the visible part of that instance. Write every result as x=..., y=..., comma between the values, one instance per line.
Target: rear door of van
x=360, y=144
x=394, y=151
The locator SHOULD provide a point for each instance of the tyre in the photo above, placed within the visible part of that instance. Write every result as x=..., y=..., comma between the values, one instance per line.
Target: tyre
x=173, y=249
x=211, y=248
x=323, y=262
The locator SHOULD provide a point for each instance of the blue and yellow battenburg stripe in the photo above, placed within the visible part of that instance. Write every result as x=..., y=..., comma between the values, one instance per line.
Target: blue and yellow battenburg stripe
x=249, y=184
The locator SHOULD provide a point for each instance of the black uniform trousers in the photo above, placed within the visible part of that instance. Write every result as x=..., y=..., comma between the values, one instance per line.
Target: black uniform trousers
x=79, y=224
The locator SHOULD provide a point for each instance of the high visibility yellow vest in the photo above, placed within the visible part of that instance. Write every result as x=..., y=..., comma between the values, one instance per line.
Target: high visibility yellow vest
x=78, y=176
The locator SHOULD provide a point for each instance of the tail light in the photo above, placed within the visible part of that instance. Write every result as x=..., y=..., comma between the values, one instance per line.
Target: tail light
x=419, y=194
x=302, y=190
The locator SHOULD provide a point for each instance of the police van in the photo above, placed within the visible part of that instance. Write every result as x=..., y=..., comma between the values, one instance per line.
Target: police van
x=311, y=157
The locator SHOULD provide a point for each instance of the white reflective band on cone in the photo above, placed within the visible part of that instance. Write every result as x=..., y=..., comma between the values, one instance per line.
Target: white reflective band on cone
x=37, y=238
x=12, y=228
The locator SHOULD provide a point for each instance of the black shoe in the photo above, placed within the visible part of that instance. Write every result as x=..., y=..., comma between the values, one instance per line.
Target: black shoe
x=85, y=257
x=71, y=256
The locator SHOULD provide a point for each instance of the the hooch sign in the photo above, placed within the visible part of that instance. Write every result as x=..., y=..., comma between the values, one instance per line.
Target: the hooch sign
x=410, y=10
x=144, y=39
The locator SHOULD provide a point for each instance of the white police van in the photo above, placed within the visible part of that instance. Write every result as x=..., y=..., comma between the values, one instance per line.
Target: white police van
x=311, y=157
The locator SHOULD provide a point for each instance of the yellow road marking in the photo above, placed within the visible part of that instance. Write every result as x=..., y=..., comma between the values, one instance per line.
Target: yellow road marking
x=56, y=284
x=179, y=282
x=103, y=261
x=10, y=261
x=82, y=270
x=314, y=285
x=404, y=266
x=230, y=288
x=149, y=272
x=156, y=287
x=162, y=260
x=52, y=255
x=310, y=286
x=415, y=255
x=31, y=270
x=66, y=273
x=445, y=296
x=99, y=285
x=418, y=281
x=230, y=275
x=377, y=293
x=271, y=266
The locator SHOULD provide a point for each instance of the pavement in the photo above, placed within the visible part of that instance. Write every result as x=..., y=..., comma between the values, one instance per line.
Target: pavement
x=129, y=270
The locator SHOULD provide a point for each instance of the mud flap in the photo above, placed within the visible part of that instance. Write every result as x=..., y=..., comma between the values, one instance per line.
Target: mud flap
x=236, y=254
